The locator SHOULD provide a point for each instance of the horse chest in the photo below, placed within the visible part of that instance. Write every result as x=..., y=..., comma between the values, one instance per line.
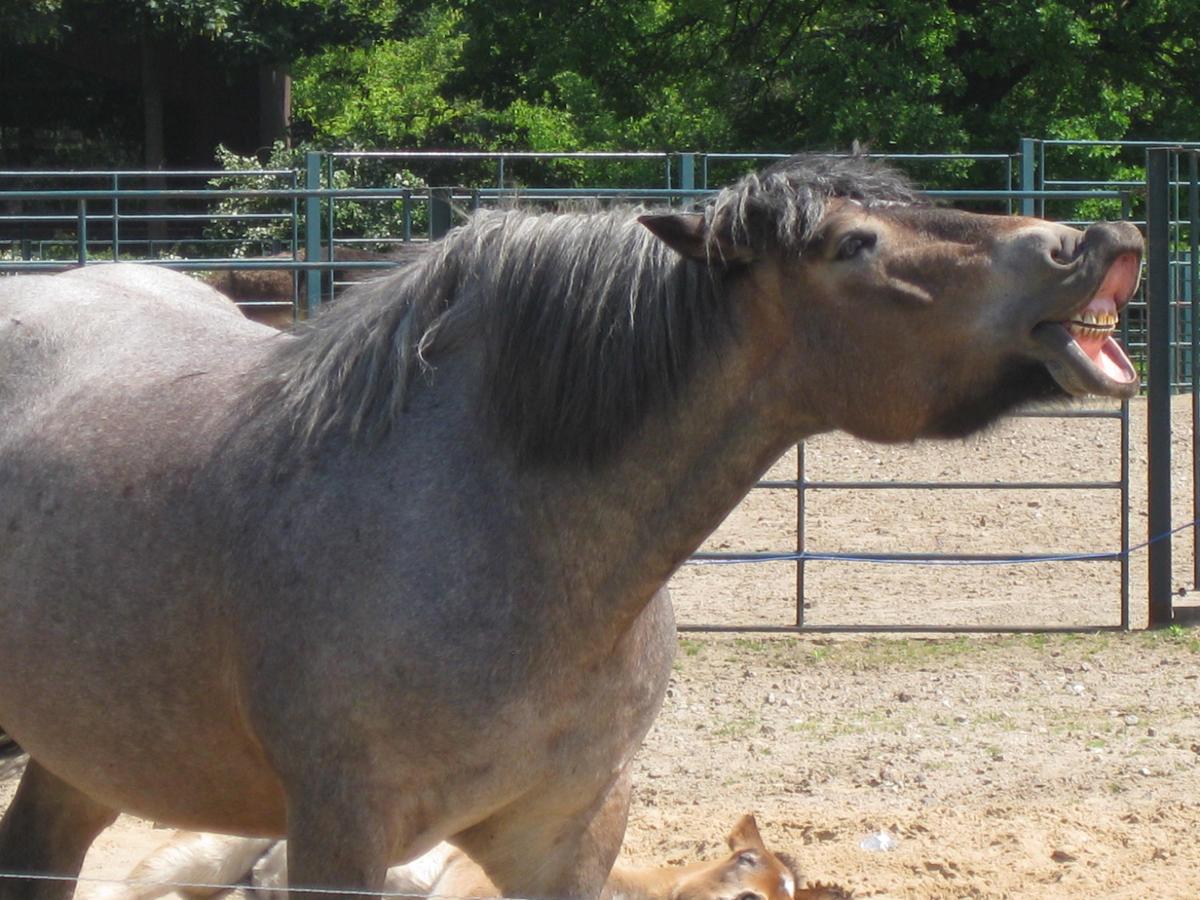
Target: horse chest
x=593, y=717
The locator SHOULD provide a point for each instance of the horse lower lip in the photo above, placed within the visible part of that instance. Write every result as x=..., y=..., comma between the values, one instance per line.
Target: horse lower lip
x=1085, y=364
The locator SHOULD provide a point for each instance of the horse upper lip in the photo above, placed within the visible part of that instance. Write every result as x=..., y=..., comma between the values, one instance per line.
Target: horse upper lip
x=1078, y=348
x=1117, y=284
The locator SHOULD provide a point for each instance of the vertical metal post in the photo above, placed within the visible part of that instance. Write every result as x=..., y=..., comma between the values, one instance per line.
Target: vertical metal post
x=1008, y=183
x=1027, y=176
x=294, y=183
x=82, y=230
x=801, y=498
x=116, y=215
x=1194, y=288
x=1125, y=617
x=1041, y=174
x=312, y=231
x=439, y=212
x=1125, y=436
x=406, y=214
x=1158, y=299
x=687, y=174
x=327, y=276
x=1179, y=359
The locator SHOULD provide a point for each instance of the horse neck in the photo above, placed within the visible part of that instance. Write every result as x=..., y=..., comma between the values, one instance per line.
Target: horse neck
x=629, y=883
x=626, y=527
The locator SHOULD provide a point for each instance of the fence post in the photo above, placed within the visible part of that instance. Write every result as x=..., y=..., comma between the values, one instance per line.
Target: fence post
x=1028, y=204
x=116, y=216
x=801, y=542
x=1158, y=300
x=293, y=182
x=439, y=212
x=82, y=229
x=687, y=174
x=1194, y=289
x=312, y=232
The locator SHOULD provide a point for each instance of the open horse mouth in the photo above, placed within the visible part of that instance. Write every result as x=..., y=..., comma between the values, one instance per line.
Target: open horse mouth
x=1084, y=357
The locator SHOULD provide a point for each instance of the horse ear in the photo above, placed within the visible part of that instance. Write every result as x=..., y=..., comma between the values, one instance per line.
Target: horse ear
x=745, y=835
x=688, y=235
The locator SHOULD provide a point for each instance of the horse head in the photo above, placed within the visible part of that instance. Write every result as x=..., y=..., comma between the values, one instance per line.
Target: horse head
x=749, y=872
x=898, y=319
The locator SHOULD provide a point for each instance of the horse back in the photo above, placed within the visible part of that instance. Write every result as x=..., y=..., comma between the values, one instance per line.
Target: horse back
x=110, y=331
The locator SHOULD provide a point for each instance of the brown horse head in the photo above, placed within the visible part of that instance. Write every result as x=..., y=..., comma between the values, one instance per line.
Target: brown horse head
x=906, y=320
x=749, y=872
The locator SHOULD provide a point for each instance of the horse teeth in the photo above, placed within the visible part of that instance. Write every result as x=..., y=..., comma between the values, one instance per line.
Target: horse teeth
x=1092, y=327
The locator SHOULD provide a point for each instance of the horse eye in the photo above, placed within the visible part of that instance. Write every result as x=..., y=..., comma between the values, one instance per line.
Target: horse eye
x=750, y=895
x=855, y=243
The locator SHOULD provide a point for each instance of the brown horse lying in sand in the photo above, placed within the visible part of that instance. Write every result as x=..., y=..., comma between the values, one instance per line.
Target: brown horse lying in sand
x=192, y=864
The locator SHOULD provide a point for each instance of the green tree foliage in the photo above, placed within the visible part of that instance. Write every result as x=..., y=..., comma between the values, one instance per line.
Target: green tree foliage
x=240, y=235
x=391, y=92
x=272, y=30
x=764, y=74
x=117, y=82
x=907, y=75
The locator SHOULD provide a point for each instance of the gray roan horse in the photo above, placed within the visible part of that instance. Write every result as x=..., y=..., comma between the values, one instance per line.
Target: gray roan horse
x=398, y=577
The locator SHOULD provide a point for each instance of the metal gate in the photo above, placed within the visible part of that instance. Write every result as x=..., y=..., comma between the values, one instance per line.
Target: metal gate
x=97, y=217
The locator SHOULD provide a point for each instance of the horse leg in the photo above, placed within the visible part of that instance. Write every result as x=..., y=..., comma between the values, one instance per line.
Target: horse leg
x=47, y=831
x=338, y=837
x=532, y=853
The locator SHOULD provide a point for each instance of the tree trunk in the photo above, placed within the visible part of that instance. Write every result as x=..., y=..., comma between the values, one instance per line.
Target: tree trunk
x=274, y=105
x=152, y=135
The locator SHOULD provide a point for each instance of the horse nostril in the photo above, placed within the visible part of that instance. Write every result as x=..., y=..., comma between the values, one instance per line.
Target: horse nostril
x=1064, y=251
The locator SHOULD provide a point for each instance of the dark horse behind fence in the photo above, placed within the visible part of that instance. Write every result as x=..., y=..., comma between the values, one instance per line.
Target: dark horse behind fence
x=397, y=577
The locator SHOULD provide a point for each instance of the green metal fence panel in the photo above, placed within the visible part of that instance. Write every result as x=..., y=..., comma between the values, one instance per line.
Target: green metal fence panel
x=95, y=216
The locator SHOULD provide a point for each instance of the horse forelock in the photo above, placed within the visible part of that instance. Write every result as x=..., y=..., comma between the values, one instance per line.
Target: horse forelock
x=587, y=323
x=780, y=208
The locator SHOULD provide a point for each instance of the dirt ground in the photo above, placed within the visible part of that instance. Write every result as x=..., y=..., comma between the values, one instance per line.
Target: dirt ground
x=1028, y=765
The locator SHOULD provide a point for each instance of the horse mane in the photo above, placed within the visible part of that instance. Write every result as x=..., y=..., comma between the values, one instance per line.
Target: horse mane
x=588, y=321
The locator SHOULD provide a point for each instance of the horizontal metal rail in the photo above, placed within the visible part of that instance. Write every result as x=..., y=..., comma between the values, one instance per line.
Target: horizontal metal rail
x=895, y=629
x=906, y=156
x=932, y=557
x=154, y=217
x=500, y=154
x=205, y=193
x=299, y=265
x=162, y=174
x=483, y=193
x=940, y=485
x=1089, y=142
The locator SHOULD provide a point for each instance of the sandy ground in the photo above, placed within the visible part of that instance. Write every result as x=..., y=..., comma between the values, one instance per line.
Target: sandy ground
x=1039, y=766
